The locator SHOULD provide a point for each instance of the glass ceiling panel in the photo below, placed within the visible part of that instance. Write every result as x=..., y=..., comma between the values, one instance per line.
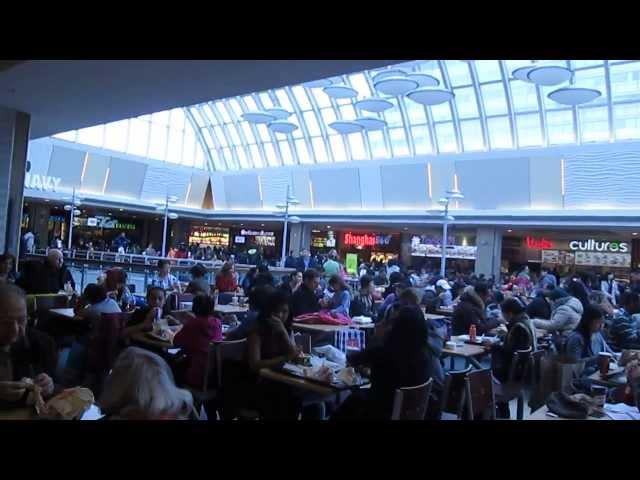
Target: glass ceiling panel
x=214, y=134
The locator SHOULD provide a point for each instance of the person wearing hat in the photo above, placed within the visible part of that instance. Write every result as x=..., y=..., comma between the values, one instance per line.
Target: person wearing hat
x=443, y=289
x=566, y=312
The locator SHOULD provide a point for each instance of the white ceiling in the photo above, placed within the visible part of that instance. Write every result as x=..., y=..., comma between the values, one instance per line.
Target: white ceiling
x=65, y=95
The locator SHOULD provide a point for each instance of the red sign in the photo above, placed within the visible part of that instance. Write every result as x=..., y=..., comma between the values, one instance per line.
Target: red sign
x=364, y=240
x=538, y=243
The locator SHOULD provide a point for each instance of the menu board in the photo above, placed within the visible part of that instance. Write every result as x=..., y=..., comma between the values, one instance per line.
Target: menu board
x=383, y=257
x=210, y=236
x=265, y=241
x=323, y=240
x=602, y=259
x=558, y=257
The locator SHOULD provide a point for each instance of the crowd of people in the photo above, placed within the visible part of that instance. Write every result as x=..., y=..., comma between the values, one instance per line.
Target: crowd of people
x=584, y=315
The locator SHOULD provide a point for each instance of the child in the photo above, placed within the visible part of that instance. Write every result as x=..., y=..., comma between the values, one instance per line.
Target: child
x=196, y=335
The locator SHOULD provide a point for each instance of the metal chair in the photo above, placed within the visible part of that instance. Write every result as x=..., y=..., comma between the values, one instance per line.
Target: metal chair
x=519, y=374
x=410, y=403
x=303, y=340
x=479, y=395
x=454, y=393
x=349, y=339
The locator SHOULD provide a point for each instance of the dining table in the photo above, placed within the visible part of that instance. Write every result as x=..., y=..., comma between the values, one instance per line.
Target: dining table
x=543, y=414
x=470, y=352
x=230, y=309
x=610, y=381
x=66, y=313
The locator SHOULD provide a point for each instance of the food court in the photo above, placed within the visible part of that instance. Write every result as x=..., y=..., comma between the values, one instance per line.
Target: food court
x=327, y=241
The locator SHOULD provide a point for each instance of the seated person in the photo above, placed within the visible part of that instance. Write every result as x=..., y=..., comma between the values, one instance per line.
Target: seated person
x=142, y=318
x=471, y=311
x=539, y=307
x=257, y=298
x=340, y=301
x=443, y=290
x=247, y=281
x=404, y=359
x=363, y=303
x=141, y=387
x=49, y=276
x=391, y=298
x=24, y=352
x=270, y=346
x=7, y=268
x=198, y=284
x=94, y=302
x=407, y=298
x=164, y=279
x=380, y=280
x=291, y=283
x=226, y=280
x=305, y=299
x=566, y=312
x=520, y=335
x=196, y=335
x=264, y=277
x=586, y=341
x=116, y=286
x=625, y=327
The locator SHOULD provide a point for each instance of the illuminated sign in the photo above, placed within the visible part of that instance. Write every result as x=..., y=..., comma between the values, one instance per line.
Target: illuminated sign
x=538, y=243
x=253, y=233
x=212, y=236
x=41, y=182
x=323, y=241
x=593, y=245
x=366, y=240
x=105, y=222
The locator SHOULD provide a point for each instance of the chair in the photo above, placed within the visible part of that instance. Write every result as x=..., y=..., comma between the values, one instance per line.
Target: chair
x=410, y=403
x=349, y=339
x=45, y=302
x=220, y=353
x=479, y=394
x=225, y=298
x=453, y=398
x=103, y=344
x=520, y=372
x=303, y=340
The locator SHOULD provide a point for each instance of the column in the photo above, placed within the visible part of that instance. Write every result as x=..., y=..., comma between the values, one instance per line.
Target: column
x=41, y=213
x=295, y=234
x=489, y=243
x=14, y=140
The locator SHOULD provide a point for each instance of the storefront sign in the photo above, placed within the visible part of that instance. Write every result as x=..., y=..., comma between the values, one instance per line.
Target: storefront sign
x=593, y=245
x=366, y=240
x=538, y=243
x=327, y=240
x=453, y=251
x=41, y=182
x=106, y=223
x=254, y=233
x=211, y=236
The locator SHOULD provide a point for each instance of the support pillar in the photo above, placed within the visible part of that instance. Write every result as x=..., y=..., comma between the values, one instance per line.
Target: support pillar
x=489, y=243
x=14, y=140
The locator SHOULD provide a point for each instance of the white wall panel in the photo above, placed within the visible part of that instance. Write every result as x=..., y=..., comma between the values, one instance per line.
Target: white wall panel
x=198, y=189
x=38, y=155
x=404, y=186
x=66, y=163
x=371, y=187
x=602, y=179
x=336, y=188
x=126, y=178
x=217, y=189
x=274, y=186
x=95, y=173
x=160, y=181
x=242, y=191
x=442, y=172
x=302, y=187
x=494, y=183
x=545, y=182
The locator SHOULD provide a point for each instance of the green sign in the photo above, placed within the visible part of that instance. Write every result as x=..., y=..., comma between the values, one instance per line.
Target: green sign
x=352, y=263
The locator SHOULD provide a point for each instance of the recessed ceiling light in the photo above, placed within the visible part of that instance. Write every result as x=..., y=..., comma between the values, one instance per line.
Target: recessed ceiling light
x=634, y=233
x=242, y=224
x=328, y=226
x=206, y=223
x=509, y=231
x=47, y=201
x=122, y=209
x=406, y=228
x=109, y=213
x=262, y=224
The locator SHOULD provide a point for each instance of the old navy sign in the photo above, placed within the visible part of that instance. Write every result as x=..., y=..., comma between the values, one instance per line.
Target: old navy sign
x=593, y=245
x=366, y=239
x=41, y=182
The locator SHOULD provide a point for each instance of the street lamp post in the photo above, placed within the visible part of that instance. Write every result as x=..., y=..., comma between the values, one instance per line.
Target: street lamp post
x=167, y=216
x=73, y=213
x=454, y=194
x=290, y=200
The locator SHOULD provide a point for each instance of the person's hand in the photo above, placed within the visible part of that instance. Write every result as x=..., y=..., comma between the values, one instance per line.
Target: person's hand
x=334, y=314
x=45, y=383
x=172, y=321
x=486, y=343
x=294, y=352
x=633, y=371
x=12, y=391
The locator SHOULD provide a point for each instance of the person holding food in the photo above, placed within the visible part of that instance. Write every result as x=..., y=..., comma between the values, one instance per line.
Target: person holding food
x=270, y=346
x=144, y=317
x=28, y=358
